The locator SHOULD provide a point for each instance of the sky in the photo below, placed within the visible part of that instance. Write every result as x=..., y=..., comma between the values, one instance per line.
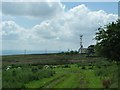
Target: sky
x=53, y=25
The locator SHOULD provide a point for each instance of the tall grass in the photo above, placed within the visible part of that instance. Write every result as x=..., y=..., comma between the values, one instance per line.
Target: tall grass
x=18, y=77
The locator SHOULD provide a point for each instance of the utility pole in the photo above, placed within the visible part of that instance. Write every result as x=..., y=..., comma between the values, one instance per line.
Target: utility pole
x=46, y=51
x=59, y=50
x=25, y=52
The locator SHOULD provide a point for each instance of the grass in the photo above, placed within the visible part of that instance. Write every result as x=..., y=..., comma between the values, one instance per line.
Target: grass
x=60, y=80
x=43, y=82
x=72, y=77
x=69, y=82
x=55, y=82
x=92, y=80
x=43, y=59
x=68, y=71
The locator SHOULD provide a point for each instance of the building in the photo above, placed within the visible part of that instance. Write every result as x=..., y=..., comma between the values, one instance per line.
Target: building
x=82, y=50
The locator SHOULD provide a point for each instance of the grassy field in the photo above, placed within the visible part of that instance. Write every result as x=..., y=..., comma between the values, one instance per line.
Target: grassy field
x=72, y=77
x=44, y=59
x=58, y=71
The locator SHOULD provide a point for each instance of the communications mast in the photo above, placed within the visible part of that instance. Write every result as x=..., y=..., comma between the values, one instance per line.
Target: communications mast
x=81, y=46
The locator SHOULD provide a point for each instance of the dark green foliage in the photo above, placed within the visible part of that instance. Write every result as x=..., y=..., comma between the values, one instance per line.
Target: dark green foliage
x=90, y=50
x=78, y=64
x=91, y=67
x=99, y=66
x=71, y=52
x=34, y=69
x=40, y=66
x=108, y=38
x=83, y=67
x=66, y=66
x=90, y=64
x=14, y=73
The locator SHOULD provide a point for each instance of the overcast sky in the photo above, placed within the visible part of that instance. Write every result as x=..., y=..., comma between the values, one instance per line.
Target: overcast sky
x=53, y=25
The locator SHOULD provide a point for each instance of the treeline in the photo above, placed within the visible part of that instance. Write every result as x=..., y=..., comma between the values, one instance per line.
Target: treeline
x=70, y=52
x=108, y=41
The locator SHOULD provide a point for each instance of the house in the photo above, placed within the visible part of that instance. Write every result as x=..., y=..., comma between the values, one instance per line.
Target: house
x=82, y=50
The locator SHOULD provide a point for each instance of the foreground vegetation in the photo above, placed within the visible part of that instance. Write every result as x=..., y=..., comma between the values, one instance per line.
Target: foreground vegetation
x=59, y=71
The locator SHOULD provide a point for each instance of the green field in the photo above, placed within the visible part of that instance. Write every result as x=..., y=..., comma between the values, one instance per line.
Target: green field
x=58, y=71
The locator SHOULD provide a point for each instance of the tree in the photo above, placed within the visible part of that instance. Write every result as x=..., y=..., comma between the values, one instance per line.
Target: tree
x=108, y=38
x=90, y=50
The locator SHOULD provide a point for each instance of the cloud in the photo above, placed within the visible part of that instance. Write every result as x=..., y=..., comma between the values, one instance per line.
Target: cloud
x=32, y=9
x=76, y=21
x=61, y=31
x=10, y=30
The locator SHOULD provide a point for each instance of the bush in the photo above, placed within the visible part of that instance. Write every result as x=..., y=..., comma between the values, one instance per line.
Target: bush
x=99, y=66
x=40, y=67
x=78, y=65
x=90, y=67
x=90, y=64
x=83, y=67
x=66, y=66
x=34, y=69
x=14, y=73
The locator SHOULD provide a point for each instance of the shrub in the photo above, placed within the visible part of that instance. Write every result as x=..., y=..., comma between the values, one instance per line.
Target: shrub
x=99, y=66
x=90, y=67
x=14, y=73
x=40, y=67
x=66, y=66
x=83, y=67
x=90, y=64
x=34, y=69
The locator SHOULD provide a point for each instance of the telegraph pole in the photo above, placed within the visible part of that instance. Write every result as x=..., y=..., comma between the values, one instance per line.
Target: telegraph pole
x=46, y=51
x=25, y=52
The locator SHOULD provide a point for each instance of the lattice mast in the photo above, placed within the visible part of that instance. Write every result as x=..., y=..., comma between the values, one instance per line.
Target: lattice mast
x=81, y=46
